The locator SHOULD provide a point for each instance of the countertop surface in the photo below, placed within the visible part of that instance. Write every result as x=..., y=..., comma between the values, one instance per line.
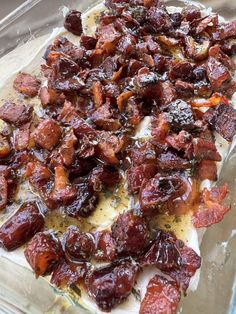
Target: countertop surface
x=6, y=6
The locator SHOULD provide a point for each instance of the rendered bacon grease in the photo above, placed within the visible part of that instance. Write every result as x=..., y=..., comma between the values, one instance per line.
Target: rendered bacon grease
x=141, y=62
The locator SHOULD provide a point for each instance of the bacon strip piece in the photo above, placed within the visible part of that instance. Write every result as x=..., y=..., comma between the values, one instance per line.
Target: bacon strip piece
x=162, y=297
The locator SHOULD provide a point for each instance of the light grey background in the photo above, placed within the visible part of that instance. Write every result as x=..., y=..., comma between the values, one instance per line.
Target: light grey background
x=6, y=6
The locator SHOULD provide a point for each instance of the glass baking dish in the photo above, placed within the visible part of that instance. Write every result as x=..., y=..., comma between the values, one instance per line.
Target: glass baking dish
x=19, y=291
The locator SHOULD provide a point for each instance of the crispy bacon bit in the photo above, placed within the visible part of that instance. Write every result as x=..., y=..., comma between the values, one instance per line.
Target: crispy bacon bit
x=88, y=42
x=105, y=246
x=170, y=161
x=179, y=141
x=223, y=120
x=79, y=245
x=160, y=189
x=168, y=93
x=67, y=148
x=137, y=174
x=26, y=84
x=207, y=170
x=97, y=94
x=5, y=148
x=226, y=31
x=67, y=274
x=145, y=153
x=213, y=101
x=16, y=114
x=47, y=134
x=21, y=226
x=22, y=137
x=73, y=22
x=191, y=13
x=43, y=253
x=217, y=73
x=158, y=19
x=38, y=175
x=190, y=262
x=210, y=210
x=162, y=296
x=3, y=192
x=161, y=127
x=122, y=99
x=103, y=118
x=104, y=175
x=110, y=285
x=205, y=149
x=130, y=233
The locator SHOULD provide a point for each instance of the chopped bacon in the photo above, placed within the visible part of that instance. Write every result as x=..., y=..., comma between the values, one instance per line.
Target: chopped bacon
x=16, y=114
x=161, y=127
x=210, y=211
x=122, y=99
x=213, y=101
x=49, y=96
x=179, y=141
x=103, y=118
x=223, y=120
x=47, y=134
x=130, y=232
x=112, y=284
x=136, y=175
x=162, y=297
x=38, y=174
x=170, y=161
x=21, y=226
x=73, y=22
x=22, y=137
x=5, y=148
x=97, y=94
x=226, y=31
x=207, y=170
x=168, y=93
x=104, y=175
x=43, y=253
x=144, y=153
x=26, y=84
x=3, y=192
x=67, y=148
x=205, y=149
x=105, y=246
x=217, y=73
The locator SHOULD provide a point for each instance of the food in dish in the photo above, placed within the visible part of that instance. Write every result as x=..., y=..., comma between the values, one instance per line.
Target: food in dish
x=132, y=111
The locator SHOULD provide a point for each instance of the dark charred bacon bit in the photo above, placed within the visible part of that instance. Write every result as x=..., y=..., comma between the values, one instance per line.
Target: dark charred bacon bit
x=105, y=246
x=170, y=161
x=127, y=44
x=16, y=114
x=137, y=174
x=147, y=85
x=131, y=234
x=144, y=153
x=21, y=226
x=26, y=84
x=111, y=285
x=3, y=192
x=63, y=191
x=47, y=134
x=43, y=253
x=190, y=262
x=207, y=170
x=190, y=13
x=5, y=148
x=85, y=202
x=163, y=252
x=217, y=73
x=181, y=70
x=67, y=274
x=22, y=137
x=205, y=149
x=81, y=127
x=181, y=115
x=159, y=190
x=108, y=146
x=107, y=34
x=79, y=245
x=88, y=42
x=104, y=175
x=158, y=19
x=226, y=31
x=223, y=120
x=184, y=89
x=210, y=210
x=103, y=118
x=73, y=22
x=162, y=296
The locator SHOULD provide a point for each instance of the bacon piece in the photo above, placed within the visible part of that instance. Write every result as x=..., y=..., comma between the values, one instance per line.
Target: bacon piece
x=223, y=120
x=105, y=249
x=22, y=137
x=123, y=99
x=217, y=73
x=103, y=118
x=145, y=153
x=112, y=284
x=158, y=19
x=213, y=101
x=107, y=34
x=161, y=127
x=205, y=149
x=97, y=94
x=85, y=201
x=209, y=20
x=3, y=192
x=47, y=134
x=67, y=148
x=64, y=192
x=210, y=210
x=190, y=262
x=21, y=226
x=131, y=234
x=103, y=175
x=38, y=175
x=170, y=161
x=88, y=42
x=85, y=148
x=207, y=170
x=146, y=84
x=191, y=13
x=159, y=190
x=226, y=31
x=73, y=22
x=5, y=148
x=68, y=274
x=27, y=84
x=127, y=44
x=78, y=245
x=137, y=174
x=184, y=89
x=162, y=297
x=16, y=114
x=181, y=70
x=43, y=253
x=168, y=93
x=163, y=252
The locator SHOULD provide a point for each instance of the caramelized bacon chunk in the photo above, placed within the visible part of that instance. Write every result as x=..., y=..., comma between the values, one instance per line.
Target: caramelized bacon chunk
x=112, y=284
x=16, y=114
x=43, y=253
x=27, y=84
x=105, y=249
x=104, y=175
x=162, y=297
x=130, y=233
x=136, y=175
x=73, y=22
x=217, y=73
x=47, y=134
x=21, y=226
x=22, y=137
